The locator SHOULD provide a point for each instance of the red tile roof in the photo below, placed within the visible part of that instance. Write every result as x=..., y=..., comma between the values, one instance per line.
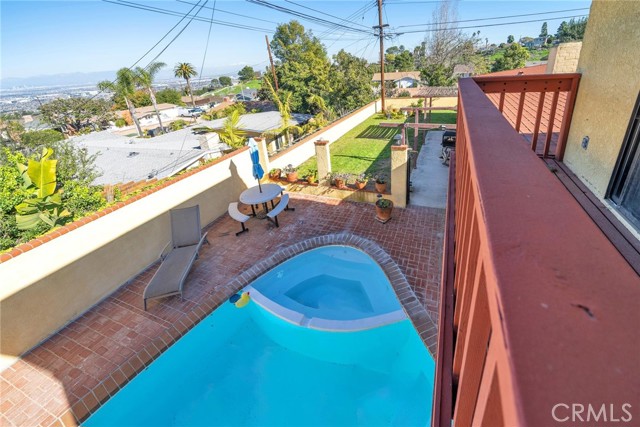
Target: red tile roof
x=535, y=69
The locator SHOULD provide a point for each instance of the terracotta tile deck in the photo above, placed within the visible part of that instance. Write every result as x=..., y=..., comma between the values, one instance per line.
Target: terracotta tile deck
x=67, y=377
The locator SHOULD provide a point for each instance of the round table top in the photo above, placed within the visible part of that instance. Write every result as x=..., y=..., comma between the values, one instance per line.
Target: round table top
x=253, y=196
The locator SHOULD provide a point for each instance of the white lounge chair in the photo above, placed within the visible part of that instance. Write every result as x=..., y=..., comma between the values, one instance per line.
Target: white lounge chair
x=186, y=239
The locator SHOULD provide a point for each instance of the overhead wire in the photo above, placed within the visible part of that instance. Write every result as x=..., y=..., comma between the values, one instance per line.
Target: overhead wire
x=305, y=16
x=218, y=10
x=428, y=30
x=495, y=17
x=174, y=13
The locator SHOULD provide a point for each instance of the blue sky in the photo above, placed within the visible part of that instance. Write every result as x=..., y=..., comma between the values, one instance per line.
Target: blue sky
x=52, y=37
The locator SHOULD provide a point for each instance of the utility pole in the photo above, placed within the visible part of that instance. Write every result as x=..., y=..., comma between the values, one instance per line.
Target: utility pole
x=380, y=28
x=273, y=69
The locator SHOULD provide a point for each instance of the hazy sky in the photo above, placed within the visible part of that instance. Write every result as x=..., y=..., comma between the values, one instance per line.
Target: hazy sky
x=51, y=37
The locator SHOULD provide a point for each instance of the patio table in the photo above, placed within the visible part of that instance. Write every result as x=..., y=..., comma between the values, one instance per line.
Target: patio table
x=252, y=196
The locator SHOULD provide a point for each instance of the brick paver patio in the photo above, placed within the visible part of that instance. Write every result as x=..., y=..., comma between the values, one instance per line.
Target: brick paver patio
x=67, y=377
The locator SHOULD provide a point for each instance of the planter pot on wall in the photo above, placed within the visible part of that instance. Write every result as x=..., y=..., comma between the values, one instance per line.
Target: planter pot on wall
x=381, y=188
x=292, y=176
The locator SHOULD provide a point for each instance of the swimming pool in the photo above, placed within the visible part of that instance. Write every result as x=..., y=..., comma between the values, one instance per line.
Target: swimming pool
x=252, y=367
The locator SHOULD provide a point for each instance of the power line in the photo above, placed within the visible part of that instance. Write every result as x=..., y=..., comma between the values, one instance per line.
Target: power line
x=218, y=10
x=496, y=17
x=490, y=25
x=315, y=19
x=174, y=13
x=326, y=14
x=206, y=48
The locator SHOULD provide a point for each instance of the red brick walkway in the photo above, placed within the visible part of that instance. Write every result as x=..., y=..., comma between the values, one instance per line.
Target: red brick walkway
x=77, y=368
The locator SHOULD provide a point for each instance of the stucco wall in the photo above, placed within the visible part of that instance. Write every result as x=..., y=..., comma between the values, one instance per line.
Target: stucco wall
x=609, y=63
x=564, y=58
x=64, y=277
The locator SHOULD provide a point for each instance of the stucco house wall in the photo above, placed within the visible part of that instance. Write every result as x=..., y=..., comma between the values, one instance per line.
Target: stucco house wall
x=609, y=87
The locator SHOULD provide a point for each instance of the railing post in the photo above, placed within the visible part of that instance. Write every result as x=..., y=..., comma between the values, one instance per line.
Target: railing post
x=323, y=156
x=399, y=165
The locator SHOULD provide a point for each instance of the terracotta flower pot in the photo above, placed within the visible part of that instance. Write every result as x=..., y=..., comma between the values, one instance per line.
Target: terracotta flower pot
x=383, y=214
x=381, y=188
x=339, y=182
x=275, y=175
x=360, y=185
x=292, y=176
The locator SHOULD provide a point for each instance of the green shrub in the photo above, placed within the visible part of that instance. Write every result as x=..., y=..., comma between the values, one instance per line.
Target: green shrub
x=121, y=123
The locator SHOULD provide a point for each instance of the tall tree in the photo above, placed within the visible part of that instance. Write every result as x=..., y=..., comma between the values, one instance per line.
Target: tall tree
x=572, y=30
x=543, y=30
x=246, y=73
x=446, y=44
x=185, y=71
x=350, y=81
x=515, y=56
x=510, y=39
x=283, y=102
x=225, y=81
x=124, y=86
x=303, y=67
x=75, y=115
x=144, y=77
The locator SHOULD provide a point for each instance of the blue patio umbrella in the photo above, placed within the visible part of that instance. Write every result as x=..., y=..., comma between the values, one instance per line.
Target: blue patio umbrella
x=258, y=172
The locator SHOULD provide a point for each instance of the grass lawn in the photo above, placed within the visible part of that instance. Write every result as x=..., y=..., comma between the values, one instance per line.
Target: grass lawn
x=232, y=90
x=367, y=147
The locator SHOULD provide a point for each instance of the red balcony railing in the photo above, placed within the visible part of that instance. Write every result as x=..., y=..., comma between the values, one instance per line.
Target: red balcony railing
x=538, y=106
x=538, y=310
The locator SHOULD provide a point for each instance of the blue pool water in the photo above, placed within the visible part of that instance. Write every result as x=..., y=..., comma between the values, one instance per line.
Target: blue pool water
x=249, y=367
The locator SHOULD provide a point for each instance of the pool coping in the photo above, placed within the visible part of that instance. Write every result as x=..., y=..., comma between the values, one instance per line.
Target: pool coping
x=415, y=311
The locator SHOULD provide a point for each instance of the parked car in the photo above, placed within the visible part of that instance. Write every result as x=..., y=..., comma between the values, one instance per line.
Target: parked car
x=193, y=112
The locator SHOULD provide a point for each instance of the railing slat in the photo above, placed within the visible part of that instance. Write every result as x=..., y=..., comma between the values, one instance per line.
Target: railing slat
x=520, y=108
x=552, y=115
x=476, y=339
x=536, y=129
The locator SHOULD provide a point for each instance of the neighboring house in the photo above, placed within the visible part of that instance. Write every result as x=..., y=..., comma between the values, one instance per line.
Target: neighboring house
x=259, y=124
x=147, y=115
x=31, y=123
x=401, y=79
x=204, y=101
x=536, y=43
x=247, y=95
x=463, y=70
x=122, y=159
x=536, y=69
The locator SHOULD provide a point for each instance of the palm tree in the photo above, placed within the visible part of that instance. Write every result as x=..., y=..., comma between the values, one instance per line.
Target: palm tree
x=144, y=77
x=124, y=86
x=230, y=133
x=283, y=102
x=186, y=71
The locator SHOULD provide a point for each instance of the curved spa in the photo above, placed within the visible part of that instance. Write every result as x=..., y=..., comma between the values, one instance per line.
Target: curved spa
x=323, y=343
x=335, y=288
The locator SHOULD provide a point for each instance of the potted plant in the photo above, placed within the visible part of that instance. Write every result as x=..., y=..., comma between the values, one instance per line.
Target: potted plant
x=361, y=181
x=381, y=183
x=383, y=209
x=312, y=176
x=274, y=174
x=291, y=173
x=339, y=179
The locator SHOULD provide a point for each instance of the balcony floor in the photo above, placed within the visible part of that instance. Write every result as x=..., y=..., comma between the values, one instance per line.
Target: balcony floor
x=87, y=360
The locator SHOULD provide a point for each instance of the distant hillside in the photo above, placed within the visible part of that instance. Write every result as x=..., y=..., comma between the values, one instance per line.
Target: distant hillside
x=94, y=77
